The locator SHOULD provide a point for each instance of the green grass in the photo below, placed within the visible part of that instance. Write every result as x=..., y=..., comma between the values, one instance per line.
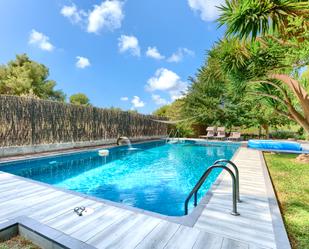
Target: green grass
x=291, y=182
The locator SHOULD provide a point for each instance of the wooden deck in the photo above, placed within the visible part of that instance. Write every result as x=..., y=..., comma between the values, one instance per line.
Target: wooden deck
x=254, y=224
x=112, y=227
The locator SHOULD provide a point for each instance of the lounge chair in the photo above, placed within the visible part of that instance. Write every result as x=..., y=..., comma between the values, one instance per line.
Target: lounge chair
x=235, y=136
x=210, y=133
x=221, y=133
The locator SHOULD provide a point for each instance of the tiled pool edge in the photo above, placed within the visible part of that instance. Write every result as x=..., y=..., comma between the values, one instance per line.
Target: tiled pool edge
x=281, y=237
x=43, y=148
x=56, y=153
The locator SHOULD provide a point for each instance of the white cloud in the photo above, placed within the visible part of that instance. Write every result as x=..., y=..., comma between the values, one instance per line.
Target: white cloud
x=163, y=80
x=180, y=54
x=206, y=8
x=169, y=81
x=40, y=40
x=73, y=14
x=154, y=53
x=130, y=44
x=137, y=102
x=82, y=62
x=108, y=14
x=124, y=98
x=158, y=100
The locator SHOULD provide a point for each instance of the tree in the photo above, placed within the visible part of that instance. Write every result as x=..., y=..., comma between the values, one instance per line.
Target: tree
x=25, y=77
x=213, y=99
x=174, y=112
x=206, y=95
x=272, y=60
x=79, y=99
x=162, y=111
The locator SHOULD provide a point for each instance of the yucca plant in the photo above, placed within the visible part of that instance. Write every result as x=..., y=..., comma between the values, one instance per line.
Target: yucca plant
x=250, y=18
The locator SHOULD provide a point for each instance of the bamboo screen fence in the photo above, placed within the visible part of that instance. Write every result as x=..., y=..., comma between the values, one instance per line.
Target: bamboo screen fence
x=25, y=121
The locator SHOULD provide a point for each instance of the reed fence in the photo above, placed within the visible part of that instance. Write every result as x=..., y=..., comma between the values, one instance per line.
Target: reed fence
x=25, y=121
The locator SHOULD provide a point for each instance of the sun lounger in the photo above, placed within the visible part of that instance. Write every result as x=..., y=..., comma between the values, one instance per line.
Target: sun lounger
x=220, y=133
x=210, y=133
x=235, y=136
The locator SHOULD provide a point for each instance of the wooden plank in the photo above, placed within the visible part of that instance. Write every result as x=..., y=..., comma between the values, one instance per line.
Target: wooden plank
x=14, y=207
x=233, y=244
x=50, y=208
x=159, y=236
x=86, y=221
x=66, y=206
x=68, y=219
x=112, y=216
x=113, y=232
x=254, y=246
x=19, y=192
x=184, y=238
x=27, y=207
x=136, y=234
x=237, y=232
x=256, y=223
x=207, y=240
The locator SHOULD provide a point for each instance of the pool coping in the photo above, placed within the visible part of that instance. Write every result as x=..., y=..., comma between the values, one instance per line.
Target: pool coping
x=186, y=220
x=281, y=237
x=58, y=153
x=41, y=234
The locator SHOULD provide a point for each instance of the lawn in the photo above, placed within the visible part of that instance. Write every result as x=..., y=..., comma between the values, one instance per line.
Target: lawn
x=291, y=182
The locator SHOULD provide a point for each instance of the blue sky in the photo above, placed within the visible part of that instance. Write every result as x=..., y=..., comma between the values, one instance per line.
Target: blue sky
x=133, y=54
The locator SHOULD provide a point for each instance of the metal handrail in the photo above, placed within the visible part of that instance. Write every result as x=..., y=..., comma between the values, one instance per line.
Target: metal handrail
x=168, y=135
x=177, y=133
x=202, y=180
x=236, y=174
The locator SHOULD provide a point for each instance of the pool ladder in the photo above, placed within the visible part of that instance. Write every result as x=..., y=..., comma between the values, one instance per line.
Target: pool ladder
x=170, y=135
x=235, y=184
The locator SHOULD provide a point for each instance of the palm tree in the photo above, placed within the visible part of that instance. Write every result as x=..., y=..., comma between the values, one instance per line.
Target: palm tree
x=285, y=23
x=250, y=18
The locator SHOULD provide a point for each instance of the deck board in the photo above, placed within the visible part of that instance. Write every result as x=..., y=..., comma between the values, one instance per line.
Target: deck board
x=136, y=234
x=106, y=220
x=159, y=236
x=207, y=240
x=110, y=234
x=181, y=240
x=255, y=222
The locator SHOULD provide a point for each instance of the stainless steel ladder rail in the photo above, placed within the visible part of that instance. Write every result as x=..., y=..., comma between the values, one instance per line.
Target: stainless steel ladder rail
x=168, y=135
x=177, y=134
x=202, y=180
x=236, y=174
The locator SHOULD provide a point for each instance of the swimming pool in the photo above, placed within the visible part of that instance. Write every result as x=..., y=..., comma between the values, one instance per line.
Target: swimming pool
x=156, y=177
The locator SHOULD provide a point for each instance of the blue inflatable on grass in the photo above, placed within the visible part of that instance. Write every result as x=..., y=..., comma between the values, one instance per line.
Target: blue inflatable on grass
x=274, y=145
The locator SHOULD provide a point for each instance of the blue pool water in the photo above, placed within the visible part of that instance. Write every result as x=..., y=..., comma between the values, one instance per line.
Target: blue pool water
x=157, y=177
